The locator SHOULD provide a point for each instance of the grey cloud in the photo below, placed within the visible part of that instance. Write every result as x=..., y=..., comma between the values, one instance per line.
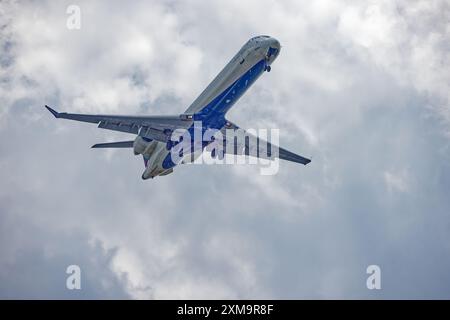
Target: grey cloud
x=357, y=87
x=35, y=258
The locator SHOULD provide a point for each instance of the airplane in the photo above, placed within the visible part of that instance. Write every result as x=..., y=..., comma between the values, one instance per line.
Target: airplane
x=153, y=140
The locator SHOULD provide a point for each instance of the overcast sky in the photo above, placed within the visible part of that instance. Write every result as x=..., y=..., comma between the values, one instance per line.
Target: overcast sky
x=362, y=88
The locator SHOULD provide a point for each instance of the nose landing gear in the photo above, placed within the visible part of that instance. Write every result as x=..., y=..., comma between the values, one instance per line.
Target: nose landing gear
x=267, y=68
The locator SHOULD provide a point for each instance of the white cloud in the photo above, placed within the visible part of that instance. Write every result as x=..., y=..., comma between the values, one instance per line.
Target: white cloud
x=397, y=181
x=361, y=87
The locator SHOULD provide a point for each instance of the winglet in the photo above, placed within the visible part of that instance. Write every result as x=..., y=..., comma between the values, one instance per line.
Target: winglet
x=54, y=112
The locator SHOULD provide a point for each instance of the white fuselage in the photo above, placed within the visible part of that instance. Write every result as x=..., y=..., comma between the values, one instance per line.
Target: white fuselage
x=246, y=66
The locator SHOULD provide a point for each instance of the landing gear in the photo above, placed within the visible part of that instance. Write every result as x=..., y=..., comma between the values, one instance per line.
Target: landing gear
x=169, y=145
x=268, y=68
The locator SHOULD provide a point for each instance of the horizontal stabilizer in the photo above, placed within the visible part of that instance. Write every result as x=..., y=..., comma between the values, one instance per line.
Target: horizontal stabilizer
x=120, y=144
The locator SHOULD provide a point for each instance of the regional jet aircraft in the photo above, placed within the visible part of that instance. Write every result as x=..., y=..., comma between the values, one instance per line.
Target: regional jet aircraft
x=154, y=133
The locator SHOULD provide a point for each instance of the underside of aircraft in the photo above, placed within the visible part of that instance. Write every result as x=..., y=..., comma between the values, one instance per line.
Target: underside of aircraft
x=154, y=134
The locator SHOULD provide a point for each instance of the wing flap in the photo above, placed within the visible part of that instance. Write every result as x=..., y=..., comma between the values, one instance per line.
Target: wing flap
x=118, y=126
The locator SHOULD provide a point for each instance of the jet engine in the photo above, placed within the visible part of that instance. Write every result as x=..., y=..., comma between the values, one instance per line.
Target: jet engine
x=144, y=146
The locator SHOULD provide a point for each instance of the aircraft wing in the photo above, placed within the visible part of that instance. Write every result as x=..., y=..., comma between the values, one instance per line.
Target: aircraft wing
x=252, y=146
x=157, y=128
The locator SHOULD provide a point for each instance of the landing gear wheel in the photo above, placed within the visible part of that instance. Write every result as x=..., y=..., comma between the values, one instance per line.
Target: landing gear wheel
x=268, y=68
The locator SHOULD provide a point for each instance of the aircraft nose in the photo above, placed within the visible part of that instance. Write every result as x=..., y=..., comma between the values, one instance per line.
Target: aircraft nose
x=273, y=49
x=274, y=43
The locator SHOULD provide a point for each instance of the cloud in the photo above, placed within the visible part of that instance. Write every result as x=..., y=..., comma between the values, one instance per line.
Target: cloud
x=35, y=258
x=362, y=88
x=397, y=182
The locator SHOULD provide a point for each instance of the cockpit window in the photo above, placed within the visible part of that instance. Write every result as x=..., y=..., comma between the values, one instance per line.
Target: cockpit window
x=259, y=37
x=272, y=52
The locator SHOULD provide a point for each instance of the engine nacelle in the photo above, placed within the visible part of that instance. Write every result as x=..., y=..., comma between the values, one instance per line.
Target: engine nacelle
x=144, y=146
x=139, y=145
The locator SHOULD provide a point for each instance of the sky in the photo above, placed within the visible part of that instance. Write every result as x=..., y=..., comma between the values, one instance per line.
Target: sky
x=361, y=87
